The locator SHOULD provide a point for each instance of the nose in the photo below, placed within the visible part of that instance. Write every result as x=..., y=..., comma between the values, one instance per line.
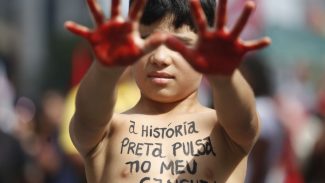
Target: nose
x=160, y=57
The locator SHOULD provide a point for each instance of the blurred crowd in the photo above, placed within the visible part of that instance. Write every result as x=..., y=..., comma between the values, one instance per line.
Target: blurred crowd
x=288, y=80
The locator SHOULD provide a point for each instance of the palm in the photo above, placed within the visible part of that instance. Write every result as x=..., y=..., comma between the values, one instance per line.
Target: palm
x=117, y=41
x=219, y=51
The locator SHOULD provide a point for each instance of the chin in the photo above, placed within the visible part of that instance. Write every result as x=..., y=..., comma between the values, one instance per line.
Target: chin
x=163, y=99
x=166, y=98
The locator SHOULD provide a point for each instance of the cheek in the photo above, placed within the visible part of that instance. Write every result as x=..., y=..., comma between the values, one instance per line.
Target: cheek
x=188, y=71
x=192, y=82
x=190, y=79
x=139, y=74
x=138, y=68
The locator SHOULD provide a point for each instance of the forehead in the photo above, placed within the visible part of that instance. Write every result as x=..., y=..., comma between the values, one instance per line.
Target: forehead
x=165, y=25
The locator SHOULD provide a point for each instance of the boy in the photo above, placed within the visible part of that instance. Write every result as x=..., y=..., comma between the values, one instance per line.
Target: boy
x=167, y=136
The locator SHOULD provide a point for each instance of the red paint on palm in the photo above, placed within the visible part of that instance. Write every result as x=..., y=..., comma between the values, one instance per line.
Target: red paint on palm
x=217, y=53
x=114, y=44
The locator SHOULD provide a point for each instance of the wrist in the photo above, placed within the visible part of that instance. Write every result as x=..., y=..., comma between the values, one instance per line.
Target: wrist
x=113, y=73
x=109, y=70
x=220, y=80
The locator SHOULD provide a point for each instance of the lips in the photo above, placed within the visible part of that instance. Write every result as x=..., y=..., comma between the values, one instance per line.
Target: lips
x=160, y=78
x=162, y=75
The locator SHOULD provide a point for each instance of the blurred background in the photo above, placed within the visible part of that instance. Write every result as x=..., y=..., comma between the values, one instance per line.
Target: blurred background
x=41, y=65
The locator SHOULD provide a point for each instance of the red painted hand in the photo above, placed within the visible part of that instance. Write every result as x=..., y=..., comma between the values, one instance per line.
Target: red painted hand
x=219, y=51
x=117, y=41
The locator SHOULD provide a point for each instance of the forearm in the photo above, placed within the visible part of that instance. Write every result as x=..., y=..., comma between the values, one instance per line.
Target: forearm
x=235, y=105
x=96, y=95
x=94, y=106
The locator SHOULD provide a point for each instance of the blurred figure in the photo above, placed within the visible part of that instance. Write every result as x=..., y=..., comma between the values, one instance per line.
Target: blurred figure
x=12, y=159
x=266, y=154
x=315, y=16
x=7, y=115
x=37, y=131
x=24, y=131
x=314, y=171
x=50, y=157
x=12, y=156
x=296, y=105
x=81, y=61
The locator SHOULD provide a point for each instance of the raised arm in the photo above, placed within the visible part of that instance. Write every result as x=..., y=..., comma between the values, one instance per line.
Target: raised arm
x=116, y=44
x=218, y=53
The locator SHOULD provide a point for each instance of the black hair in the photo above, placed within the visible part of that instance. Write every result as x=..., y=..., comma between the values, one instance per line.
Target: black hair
x=156, y=10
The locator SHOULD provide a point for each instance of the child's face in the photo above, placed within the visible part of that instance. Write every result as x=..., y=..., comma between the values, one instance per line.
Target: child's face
x=164, y=75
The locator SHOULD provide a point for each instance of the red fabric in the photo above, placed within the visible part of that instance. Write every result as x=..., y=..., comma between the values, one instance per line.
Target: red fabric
x=321, y=104
x=292, y=172
x=81, y=61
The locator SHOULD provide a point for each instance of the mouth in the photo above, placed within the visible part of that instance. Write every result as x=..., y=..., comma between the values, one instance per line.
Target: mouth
x=160, y=78
x=163, y=75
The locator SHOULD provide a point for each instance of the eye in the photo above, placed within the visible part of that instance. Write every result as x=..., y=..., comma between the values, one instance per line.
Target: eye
x=145, y=36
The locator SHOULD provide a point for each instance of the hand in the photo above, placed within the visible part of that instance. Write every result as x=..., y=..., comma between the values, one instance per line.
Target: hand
x=219, y=51
x=116, y=42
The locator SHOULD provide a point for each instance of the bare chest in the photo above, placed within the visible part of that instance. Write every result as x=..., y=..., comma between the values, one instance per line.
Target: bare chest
x=178, y=151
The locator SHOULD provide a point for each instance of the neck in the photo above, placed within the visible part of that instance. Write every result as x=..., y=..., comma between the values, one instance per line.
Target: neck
x=148, y=106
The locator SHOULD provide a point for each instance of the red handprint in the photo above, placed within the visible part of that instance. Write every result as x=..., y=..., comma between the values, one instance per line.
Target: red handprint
x=117, y=41
x=219, y=51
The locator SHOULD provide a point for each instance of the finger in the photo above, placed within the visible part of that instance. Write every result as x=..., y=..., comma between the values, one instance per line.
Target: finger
x=257, y=44
x=137, y=10
x=96, y=11
x=199, y=15
x=177, y=45
x=77, y=29
x=154, y=41
x=115, y=11
x=249, y=7
x=221, y=14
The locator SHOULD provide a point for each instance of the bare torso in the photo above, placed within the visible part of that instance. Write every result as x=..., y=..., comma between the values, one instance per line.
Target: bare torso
x=191, y=148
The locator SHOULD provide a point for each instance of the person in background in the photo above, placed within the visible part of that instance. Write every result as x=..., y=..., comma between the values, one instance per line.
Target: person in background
x=266, y=155
x=315, y=166
x=12, y=155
